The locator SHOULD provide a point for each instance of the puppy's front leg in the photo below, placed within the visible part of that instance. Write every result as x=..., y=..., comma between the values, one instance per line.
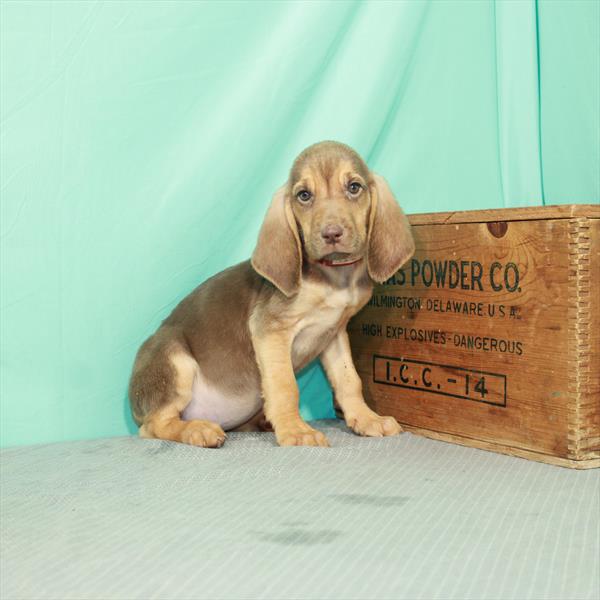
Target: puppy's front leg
x=347, y=386
x=280, y=391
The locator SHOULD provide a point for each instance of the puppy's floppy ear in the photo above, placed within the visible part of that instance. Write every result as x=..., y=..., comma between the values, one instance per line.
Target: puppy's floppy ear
x=390, y=241
x=278, y=253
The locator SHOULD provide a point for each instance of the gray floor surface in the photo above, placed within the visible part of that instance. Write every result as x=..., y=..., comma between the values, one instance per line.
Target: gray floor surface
x=402, y=517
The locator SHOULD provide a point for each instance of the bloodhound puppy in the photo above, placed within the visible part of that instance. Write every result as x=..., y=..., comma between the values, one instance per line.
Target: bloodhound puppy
x=226, y=356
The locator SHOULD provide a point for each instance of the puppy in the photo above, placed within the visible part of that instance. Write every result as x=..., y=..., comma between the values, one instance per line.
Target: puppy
x=228, y=352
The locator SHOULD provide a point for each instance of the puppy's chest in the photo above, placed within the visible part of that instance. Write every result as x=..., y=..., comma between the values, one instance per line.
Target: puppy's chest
x=321, y=321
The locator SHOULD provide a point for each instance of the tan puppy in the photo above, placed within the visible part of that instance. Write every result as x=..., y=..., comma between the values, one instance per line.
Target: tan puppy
x=230, y=349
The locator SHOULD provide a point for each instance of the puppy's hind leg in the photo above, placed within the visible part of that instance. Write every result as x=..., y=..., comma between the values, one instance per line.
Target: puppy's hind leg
x=161, y=386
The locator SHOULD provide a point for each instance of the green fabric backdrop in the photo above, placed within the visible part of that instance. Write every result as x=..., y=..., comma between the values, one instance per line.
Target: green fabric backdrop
x=141, y=142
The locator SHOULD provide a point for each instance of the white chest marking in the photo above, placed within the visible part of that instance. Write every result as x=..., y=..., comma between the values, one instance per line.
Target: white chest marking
x=318, y=326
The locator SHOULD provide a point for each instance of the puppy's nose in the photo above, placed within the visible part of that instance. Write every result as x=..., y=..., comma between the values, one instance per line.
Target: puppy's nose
x=332, y=233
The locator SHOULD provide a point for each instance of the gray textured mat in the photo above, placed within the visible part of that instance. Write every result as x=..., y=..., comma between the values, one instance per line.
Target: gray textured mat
x=402, y=517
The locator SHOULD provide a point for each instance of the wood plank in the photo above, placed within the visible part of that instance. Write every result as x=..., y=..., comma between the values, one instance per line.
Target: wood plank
x=559, y=211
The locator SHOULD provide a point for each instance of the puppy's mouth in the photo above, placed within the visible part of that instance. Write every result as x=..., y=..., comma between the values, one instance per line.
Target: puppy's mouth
x=339, y=259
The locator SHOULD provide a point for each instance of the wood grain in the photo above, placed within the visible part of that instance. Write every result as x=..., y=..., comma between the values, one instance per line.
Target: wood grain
x=528, y=213
x=492, y=333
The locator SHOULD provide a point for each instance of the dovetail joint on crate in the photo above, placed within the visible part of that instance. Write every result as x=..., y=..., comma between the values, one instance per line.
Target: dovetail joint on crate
x=582, y=443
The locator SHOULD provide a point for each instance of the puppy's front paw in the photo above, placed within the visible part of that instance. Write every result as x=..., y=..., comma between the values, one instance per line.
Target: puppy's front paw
x=203, y=433
x=300, y=434
x=372, y=425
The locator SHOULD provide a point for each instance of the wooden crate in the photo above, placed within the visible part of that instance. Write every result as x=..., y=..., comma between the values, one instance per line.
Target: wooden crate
x=490, y=335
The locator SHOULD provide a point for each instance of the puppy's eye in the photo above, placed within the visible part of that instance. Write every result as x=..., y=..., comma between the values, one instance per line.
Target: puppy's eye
x=304, y=195
x=354, y=188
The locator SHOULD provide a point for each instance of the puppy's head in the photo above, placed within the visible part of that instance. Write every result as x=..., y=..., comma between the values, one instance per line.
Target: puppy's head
x=334, y=212
x=329, y=193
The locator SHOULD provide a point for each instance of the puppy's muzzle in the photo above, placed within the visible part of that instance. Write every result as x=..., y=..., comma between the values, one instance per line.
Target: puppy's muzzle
x=332, y=233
